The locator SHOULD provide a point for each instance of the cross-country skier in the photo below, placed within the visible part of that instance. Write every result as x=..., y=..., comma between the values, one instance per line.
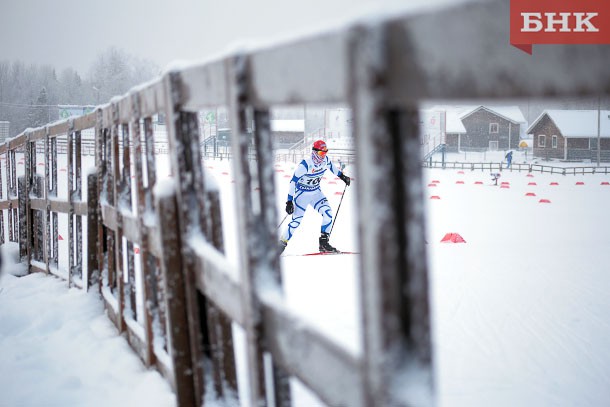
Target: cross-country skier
x=305, y=190
x=509, y=158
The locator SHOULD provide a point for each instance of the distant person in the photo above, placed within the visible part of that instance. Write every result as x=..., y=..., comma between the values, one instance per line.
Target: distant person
x=305, y=190
x=509, y=158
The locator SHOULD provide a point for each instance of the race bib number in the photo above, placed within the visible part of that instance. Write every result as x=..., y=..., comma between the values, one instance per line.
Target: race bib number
x=310, y=181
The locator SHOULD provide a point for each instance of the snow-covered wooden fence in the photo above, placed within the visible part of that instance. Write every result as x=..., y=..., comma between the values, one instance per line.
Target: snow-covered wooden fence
x=382, y=70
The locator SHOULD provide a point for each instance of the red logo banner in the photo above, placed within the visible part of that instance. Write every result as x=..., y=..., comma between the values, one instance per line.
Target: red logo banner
x=559, y=22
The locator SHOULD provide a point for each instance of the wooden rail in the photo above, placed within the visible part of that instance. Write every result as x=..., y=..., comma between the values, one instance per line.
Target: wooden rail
x=382, y=70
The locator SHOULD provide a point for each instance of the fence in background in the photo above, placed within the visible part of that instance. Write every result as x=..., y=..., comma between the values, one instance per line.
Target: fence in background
x=381, y=70
x=500, y=166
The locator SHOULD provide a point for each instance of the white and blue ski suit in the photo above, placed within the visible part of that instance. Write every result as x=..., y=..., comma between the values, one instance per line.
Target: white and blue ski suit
x=305, y=190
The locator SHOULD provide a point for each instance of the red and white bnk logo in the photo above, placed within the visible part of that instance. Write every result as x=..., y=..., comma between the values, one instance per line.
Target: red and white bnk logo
x=533, y=22
x=559, y=22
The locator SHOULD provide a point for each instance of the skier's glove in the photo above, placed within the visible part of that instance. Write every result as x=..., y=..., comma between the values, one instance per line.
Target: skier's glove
x=345, y=179
x=289, y=207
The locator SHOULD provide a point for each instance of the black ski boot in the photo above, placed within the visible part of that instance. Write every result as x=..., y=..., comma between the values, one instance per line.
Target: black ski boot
x=325, y=247
x=282, y=246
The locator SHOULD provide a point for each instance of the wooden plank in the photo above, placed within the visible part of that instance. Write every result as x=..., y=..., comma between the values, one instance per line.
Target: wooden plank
x=152, y=98
x=86, y=121
x=137, y=339
x=252, y=230
x=93, y=266
x=124, y=106
x=312, y=69
x=203, y=86
x=111, y=306
x=115, y=170
x=37, y=268
x=224, y=357
x=38, y=134
x=176, y=302
x=183, y=134
x=130, y=228
x=71, y=234
x=148, y=265
x=393, y=271
x=109, y=216
x=59, y=128
x=18, y=141
x=423, y=64
x=325, y=367
x=214, y=279
x=38, y=203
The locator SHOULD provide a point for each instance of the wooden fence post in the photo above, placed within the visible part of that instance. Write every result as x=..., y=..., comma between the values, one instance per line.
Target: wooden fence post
x=93, y=271
x=175, y=301
x=23, y=221
x=393, y=270
x=256, y=221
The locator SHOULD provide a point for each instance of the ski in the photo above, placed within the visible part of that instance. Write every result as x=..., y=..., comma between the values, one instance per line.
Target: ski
x=320, y=254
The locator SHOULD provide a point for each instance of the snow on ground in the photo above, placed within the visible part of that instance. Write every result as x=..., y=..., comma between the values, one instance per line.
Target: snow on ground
x=518, y=310
x=58, y=348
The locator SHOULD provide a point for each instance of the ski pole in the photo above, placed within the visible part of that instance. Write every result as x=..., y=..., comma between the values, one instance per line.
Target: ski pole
x=337, y=214
x=278, y=226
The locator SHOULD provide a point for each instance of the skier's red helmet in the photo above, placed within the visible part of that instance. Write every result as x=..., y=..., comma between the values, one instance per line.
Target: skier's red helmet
x=320, y=148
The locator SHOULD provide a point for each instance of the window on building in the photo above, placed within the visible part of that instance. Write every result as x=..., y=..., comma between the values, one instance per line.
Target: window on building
x=554, y=141
x=541, y=140
x=493, y=127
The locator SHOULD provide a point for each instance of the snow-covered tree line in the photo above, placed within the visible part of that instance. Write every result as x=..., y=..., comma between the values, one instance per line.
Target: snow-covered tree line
x=30, y=93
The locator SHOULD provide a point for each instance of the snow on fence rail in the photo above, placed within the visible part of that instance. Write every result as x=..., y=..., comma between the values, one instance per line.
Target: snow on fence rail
x=381, y=70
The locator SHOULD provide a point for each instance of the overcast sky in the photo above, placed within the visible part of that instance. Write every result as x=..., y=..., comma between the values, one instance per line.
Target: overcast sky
x=71, y=33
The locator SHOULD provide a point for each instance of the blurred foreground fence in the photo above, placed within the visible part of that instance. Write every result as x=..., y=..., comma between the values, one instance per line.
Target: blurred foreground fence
x=178, y=310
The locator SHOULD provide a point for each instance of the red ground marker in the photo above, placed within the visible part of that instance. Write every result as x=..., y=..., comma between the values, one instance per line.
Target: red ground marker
x=580, y=183
x=530, y=175
x=530, y=194
x=436, y=181
x=506, y=186
x=554, y=183
x=605, y=183
x=431, y=185
x=435, y=197
x=544, y=201
x=531, y=183
x=453, y=238
x=459, y=182
x=478, y=182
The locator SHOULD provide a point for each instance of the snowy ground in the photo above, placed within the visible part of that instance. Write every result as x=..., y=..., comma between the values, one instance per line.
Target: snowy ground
x=518, y=310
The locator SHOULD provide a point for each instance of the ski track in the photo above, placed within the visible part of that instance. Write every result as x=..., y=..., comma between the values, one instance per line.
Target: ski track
x=513, y=328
